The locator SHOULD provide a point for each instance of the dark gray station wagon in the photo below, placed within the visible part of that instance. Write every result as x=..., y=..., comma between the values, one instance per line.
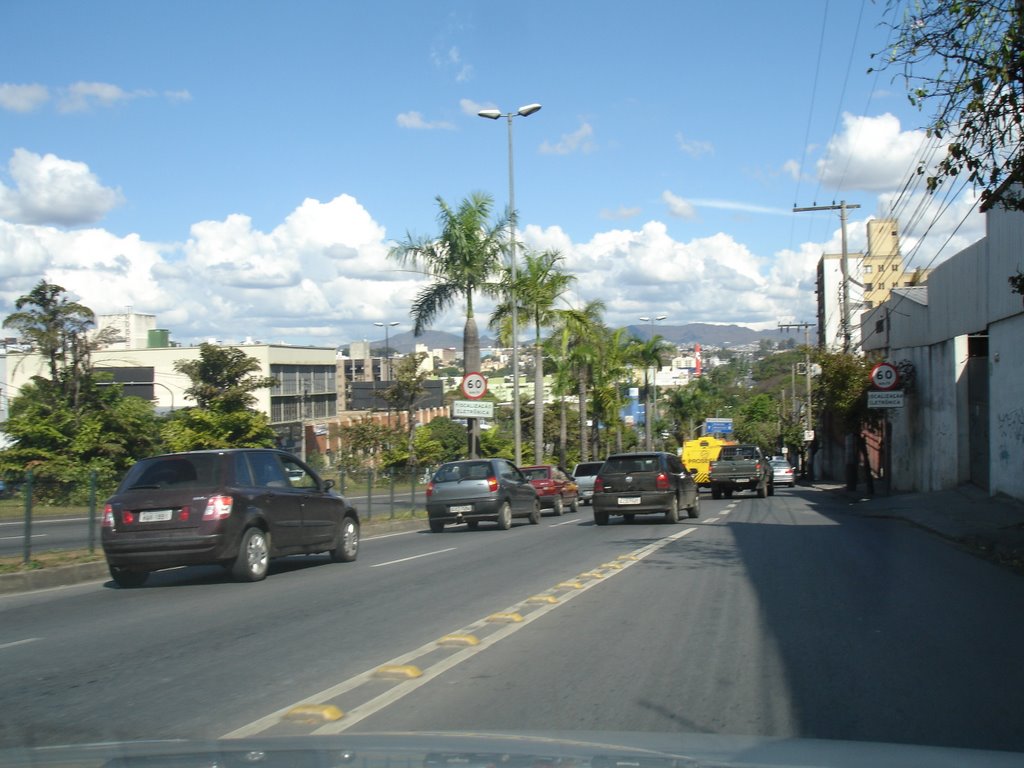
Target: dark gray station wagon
x=237, y=508
x=480, y=489
x=629, y=484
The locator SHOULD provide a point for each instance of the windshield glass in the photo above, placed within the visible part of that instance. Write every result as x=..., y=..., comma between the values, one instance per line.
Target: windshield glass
x=398, y=369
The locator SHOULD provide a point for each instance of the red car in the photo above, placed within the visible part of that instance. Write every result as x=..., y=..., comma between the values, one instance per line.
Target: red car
x=555, y=489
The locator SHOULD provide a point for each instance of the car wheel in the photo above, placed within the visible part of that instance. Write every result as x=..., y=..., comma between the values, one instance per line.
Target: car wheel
x=128, y=579
x=253, y=559
x=762, y=491
x=436, y=526
x=694, y=511
x=347, y=544
x=505, y=516
x=558, y=507
x=575, y=506
x=535, y=514
x=672, y=514
x=771, y=489
x=600, y=518
x=716, y=492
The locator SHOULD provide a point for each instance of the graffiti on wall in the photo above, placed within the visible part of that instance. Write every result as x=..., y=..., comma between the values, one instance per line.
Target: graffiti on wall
x=1011, y=430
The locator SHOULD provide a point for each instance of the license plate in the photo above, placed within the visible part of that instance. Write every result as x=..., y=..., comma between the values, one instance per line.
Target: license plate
x=458, y=508
x=627, y=500
x=155, y=515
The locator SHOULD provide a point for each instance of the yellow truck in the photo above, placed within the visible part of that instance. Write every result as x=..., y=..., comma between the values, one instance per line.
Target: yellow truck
x=697, y=454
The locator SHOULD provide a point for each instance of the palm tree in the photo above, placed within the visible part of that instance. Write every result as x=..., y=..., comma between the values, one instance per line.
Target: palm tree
x=647, y=354
x=539, y=283
x=578, y=333
x=460, y=262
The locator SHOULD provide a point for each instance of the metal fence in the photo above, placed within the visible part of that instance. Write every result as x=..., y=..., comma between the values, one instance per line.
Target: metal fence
x=41, y=515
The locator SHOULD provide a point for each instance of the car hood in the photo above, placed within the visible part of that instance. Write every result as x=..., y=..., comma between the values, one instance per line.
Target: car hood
x=501, y=750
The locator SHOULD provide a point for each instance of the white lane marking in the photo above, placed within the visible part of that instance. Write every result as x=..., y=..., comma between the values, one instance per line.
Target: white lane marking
x=389, y=535
x=725, y=512
x=47, y=520
x=711, y=520
x=567, y=522
x=18, y=642
x=413, y=557
x=34, y=536
x=368, y=708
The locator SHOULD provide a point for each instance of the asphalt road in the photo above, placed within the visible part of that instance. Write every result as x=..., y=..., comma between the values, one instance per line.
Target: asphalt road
x=784, y=617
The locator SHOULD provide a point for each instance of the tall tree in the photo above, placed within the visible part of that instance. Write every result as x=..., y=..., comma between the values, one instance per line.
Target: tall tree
x=647, y=354
x=964, y=61
x=461, y=261
x=224, y=417
x=578, y=332
x=540, y=283
x=405, y=390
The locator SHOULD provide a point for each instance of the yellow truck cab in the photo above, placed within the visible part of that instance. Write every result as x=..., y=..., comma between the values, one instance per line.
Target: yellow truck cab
x=696, y=454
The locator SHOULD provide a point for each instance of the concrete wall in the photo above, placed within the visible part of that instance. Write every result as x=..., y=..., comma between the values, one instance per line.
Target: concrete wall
x=1006, y=409
x=929, y=448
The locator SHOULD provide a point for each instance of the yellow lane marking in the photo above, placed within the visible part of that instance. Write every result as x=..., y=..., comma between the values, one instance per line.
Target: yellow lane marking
x=571, y=584
x=505, y=617
x=314, y=713
x=592, y=575
x=542, y=599
x=398, y=671
x=459, y=639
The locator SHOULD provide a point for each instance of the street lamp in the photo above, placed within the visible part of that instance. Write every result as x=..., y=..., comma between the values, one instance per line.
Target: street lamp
x=649, y=418
x=387, y=349
x=494, y=114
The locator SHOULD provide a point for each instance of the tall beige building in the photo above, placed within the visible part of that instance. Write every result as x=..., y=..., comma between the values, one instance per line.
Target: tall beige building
x=881, y=268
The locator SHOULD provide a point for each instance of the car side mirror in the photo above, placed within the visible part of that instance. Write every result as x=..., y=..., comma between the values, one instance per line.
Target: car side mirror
x=328, y=484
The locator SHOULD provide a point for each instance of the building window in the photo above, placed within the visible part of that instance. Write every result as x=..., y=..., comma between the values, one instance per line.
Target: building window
x=867, y=269
x=895, y=267
x=868, y=287
x=881, y=286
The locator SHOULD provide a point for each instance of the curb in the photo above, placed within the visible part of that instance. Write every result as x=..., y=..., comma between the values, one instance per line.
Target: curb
x=67, y=575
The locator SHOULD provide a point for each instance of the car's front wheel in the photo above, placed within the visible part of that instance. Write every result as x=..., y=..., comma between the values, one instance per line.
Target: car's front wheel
x=347, y=542
x=535, y=514
x=128, y=579
x=253, y=559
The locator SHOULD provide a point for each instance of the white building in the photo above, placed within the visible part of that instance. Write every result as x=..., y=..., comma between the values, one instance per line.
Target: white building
x=963, y=337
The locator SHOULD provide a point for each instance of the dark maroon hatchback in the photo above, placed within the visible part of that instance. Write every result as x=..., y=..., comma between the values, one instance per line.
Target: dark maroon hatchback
x=235, y=507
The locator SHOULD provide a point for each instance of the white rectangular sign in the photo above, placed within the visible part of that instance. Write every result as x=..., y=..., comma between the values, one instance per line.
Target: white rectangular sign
x=886, y=399
x=472, y=409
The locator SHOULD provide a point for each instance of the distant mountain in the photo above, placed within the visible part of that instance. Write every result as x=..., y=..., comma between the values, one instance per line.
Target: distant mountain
x=705, y=334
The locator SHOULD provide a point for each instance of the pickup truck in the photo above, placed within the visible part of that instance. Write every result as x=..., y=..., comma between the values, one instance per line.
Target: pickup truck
x=740, y=468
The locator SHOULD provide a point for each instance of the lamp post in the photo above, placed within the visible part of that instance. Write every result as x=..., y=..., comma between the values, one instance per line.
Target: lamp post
x=387, y=358
x=649, y=418
x=387, y=349
x=494, y=114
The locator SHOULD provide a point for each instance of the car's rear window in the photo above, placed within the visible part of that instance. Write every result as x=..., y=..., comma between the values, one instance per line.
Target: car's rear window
x=537, y=473
x=466, y=470
x=620, y=464
x=191, y=471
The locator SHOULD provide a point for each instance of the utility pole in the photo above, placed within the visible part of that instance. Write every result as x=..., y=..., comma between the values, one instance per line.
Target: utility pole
x=843, y=265
x=808, y=419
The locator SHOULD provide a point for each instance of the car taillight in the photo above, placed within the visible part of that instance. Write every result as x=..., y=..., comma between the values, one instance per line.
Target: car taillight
x=108, y=516
x=661, y=483
x=492, y=483
x=218, y=508
x=127, y=518
x=430, y=488
x=183, y=514
x=599, y=484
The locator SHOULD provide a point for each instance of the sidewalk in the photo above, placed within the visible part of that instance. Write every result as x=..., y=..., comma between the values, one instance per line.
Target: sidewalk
x=992, y=527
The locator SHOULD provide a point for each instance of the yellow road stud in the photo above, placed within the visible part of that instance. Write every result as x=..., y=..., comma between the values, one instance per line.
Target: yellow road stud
x=505, y=618
x=398, y=671
x=314, y=713
x=459, y=640
x=542, y=599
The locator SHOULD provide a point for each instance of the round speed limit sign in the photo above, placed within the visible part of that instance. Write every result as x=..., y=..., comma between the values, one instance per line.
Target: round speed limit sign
x=885, y=376
x=474, y=385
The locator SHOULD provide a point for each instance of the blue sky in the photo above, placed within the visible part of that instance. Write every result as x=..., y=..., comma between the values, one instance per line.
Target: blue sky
x=240, y=169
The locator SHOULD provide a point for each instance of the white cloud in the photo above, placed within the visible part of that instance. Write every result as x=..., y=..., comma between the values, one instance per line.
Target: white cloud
x=82, y=96
x=577, y=141
x=470, y=107
x=619, y=213
x=181, y=95
x=677, y=206
x=694, y=148
x=23, y=98
x=415, y=121
x=51, y=190
x=871, y=153
x=792, y=169
x=735, y=205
